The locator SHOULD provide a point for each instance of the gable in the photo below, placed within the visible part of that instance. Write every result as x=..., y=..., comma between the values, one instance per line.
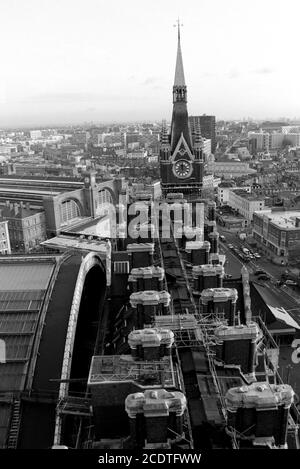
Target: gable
x=182, y=151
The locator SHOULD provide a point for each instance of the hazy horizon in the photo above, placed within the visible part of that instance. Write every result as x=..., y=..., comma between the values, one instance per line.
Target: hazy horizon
x=69, y=62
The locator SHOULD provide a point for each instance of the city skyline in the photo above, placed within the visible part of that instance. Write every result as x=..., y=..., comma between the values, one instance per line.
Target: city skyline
x=113, y=63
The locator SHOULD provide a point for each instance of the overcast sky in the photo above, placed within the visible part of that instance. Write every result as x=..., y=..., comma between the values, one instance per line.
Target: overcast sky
x=113, y=60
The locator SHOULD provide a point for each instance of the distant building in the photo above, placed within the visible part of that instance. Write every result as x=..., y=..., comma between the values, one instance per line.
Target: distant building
x=206, y=147
x=278, y=234
x=276, y=140
x=293, y=139
x=207, y=126
x=27, y=228
x=259, y=141
x=246, y=204
x=35, y=134
x=243, y=153
x=287, y=129
x=223, y=191
x=229, y=169
x=4, y=238
x=9, y=149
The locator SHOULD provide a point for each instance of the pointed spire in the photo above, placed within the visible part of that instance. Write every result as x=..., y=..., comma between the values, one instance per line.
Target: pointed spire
x=179, y=72
x=198, y=137
x=164, y=139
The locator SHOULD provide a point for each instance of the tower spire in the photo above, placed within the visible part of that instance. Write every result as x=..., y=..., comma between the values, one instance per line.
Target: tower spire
x=178, y=27
x=179, y=72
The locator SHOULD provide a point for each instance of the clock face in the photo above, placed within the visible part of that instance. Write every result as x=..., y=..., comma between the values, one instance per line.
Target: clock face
x=182, y=169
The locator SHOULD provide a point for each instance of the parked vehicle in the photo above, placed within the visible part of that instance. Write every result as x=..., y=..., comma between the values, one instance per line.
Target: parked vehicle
x=257, y=256
x=259, y=272
x=222, y=238
x=264, y=277
x=291, y=283
x=230, y=246
x=246, y=251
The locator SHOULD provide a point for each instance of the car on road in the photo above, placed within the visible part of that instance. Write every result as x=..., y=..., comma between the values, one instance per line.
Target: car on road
x=222, y=238
x=243, y=257
x=258, y=256
x=250, y=256
x=230, y=246
x=291, y=283
x=263, y=277
x=260, y=272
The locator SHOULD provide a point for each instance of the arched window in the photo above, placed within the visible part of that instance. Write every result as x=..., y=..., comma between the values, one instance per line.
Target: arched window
x=105, y=201
x=69, y=210
x=104, y=197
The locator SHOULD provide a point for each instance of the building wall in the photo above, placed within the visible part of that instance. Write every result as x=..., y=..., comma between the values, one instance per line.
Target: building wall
x=245, y=206
x=278, y=242
x=27, y=233
x=229, y=169
x=223, y=193
x=207, y=148
x=207, y=126
x=262, y=140
x=5, y=247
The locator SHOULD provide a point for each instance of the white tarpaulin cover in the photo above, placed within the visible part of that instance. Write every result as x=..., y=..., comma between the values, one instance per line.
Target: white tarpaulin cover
x=283, y=315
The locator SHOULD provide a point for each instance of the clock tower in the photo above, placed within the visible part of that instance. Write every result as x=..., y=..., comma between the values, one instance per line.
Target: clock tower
x=181, y=160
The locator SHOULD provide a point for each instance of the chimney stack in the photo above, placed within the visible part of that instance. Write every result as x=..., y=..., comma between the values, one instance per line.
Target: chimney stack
x=156, y=416
x=260, y=412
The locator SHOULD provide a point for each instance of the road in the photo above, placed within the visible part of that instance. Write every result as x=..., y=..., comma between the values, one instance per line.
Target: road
x=234, y=265
x=284, y=298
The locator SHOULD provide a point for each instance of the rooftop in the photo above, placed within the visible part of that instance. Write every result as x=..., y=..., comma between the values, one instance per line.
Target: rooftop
x=24, y=282
x=110, y=368
x=282, y=219
x=247, y=195
x=63, y=242
x=17, y=211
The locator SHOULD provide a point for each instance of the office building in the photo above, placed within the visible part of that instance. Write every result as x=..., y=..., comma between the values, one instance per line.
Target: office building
x=245, y=203
x=27, y=228
x=277, y=233
x=208, y=127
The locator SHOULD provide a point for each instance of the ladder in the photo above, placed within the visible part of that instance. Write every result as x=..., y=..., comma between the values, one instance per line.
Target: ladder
x=14, y=425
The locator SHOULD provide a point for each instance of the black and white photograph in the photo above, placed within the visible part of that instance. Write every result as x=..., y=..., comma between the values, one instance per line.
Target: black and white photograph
x=149, y=232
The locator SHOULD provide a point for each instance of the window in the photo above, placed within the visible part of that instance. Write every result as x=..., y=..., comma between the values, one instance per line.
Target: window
x=69, y=210
x=121, y=267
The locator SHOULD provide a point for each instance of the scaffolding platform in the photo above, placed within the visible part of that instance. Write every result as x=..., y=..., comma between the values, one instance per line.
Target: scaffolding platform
x=117, y=368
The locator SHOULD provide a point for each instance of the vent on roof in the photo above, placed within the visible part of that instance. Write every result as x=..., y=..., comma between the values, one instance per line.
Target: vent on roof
x=121, y=267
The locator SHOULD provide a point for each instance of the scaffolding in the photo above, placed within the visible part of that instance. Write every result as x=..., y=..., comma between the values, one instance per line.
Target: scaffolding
x=118, y=368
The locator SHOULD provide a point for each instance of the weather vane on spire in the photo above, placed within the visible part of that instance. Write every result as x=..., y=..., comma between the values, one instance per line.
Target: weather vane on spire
x=178, y=26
